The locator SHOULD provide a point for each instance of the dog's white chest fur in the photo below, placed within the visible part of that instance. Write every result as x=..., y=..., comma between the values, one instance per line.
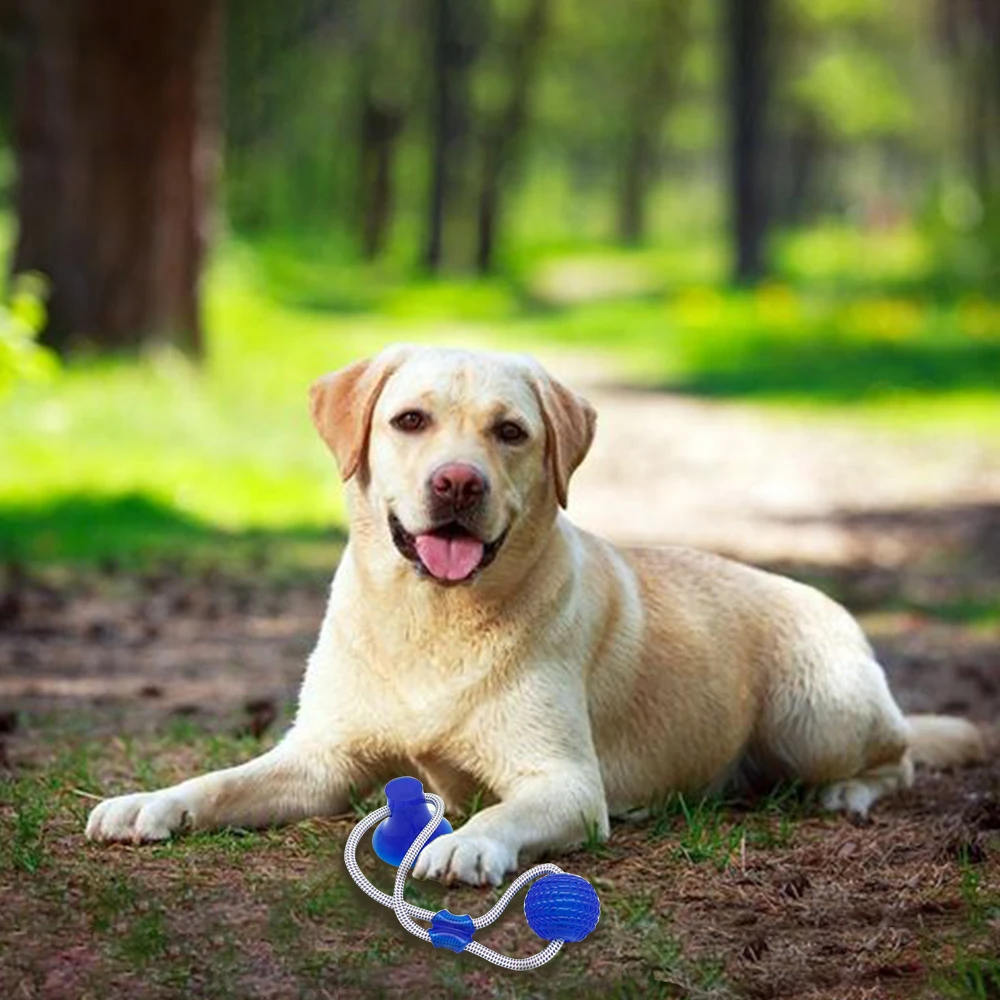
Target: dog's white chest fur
x=409, y=680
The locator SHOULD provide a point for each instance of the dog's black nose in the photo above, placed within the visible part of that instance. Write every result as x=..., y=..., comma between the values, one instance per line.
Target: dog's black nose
x=461, y=485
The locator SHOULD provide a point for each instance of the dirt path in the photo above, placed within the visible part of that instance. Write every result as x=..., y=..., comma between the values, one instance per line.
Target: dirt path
x=767, y=487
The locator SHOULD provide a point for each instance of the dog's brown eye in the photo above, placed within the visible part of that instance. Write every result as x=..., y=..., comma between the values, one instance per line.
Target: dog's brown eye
x=510, y=432
x=410, y=421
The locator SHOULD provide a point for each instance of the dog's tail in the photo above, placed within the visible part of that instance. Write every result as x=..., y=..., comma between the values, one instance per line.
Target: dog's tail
x=945, y=741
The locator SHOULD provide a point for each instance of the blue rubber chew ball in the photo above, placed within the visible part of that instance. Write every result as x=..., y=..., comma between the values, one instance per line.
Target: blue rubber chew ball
x=562, y=908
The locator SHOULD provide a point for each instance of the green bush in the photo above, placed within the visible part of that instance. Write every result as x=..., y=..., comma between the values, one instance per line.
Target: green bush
x=22, y=317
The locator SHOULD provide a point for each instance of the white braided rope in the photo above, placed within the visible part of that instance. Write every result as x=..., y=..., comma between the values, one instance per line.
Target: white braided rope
x=405, y=912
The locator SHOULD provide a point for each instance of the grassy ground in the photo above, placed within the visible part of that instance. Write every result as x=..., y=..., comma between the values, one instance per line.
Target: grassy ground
x=703, y=900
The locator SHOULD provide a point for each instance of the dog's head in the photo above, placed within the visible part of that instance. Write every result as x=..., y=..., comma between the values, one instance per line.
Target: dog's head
x=458, y=456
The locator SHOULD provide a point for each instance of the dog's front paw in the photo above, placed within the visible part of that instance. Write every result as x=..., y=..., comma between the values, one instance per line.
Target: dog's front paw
x=458, y=857
x=139, y=817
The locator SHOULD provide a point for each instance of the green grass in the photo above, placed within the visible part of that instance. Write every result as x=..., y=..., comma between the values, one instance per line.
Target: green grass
x=780, y=345
x=709, y=830
x=974, y=972
x=967, y=611
x=153, y=458
x=971, y=977
x=705, y=833
x=594, y=843
x=23, y=850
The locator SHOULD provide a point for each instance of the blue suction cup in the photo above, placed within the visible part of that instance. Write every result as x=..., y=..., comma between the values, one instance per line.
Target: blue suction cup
x=409, y=813
x=562, y=907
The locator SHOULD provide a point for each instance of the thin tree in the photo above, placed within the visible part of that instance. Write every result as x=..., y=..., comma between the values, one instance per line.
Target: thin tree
x=971, y=30
x=380, y=125
x=747, y=29
x=380, y=128
x=651, y=90
x=502, y=140
x=385, y=89
x=456, y=36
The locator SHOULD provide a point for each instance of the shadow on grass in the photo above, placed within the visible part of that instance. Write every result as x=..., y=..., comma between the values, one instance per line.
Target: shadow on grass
x=839, y=369
x=132, y=531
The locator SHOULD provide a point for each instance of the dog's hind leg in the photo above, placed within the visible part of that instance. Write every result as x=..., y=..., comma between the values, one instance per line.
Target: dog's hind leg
x=857, y=795
x=934, y=740
x=840, y=731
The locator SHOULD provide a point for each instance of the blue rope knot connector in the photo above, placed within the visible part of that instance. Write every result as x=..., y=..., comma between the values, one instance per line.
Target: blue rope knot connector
x=558, y=907
x=451, y=930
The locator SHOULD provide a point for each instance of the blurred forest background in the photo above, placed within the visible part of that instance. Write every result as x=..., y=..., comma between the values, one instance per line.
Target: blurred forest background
x=207, y=204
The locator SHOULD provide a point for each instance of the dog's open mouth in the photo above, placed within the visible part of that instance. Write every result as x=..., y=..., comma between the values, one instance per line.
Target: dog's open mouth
x=450, y=553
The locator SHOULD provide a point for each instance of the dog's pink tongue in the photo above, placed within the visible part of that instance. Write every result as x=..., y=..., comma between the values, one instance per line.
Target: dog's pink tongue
x=449, y=558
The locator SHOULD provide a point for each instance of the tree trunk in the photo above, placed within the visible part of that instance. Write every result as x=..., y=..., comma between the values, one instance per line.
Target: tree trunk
x=636, y=174
x=969, y=32
x=383, y=97
x=380, y=127
x=794, y=165
x=456, y=34
x=502, y=143
x=983, y=103
x=650, y=95
x=748, y=22
x=116, y=116
x=978, y=132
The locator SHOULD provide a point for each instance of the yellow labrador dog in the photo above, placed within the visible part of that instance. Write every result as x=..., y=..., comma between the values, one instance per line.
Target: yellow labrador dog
x=476, y=638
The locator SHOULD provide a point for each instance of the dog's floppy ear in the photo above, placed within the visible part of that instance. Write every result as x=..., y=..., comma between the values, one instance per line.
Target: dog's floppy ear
x=342, y=404
x=570, y=422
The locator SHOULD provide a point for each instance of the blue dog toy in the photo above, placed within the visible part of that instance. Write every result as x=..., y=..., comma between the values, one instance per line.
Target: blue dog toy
x=558, y=908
